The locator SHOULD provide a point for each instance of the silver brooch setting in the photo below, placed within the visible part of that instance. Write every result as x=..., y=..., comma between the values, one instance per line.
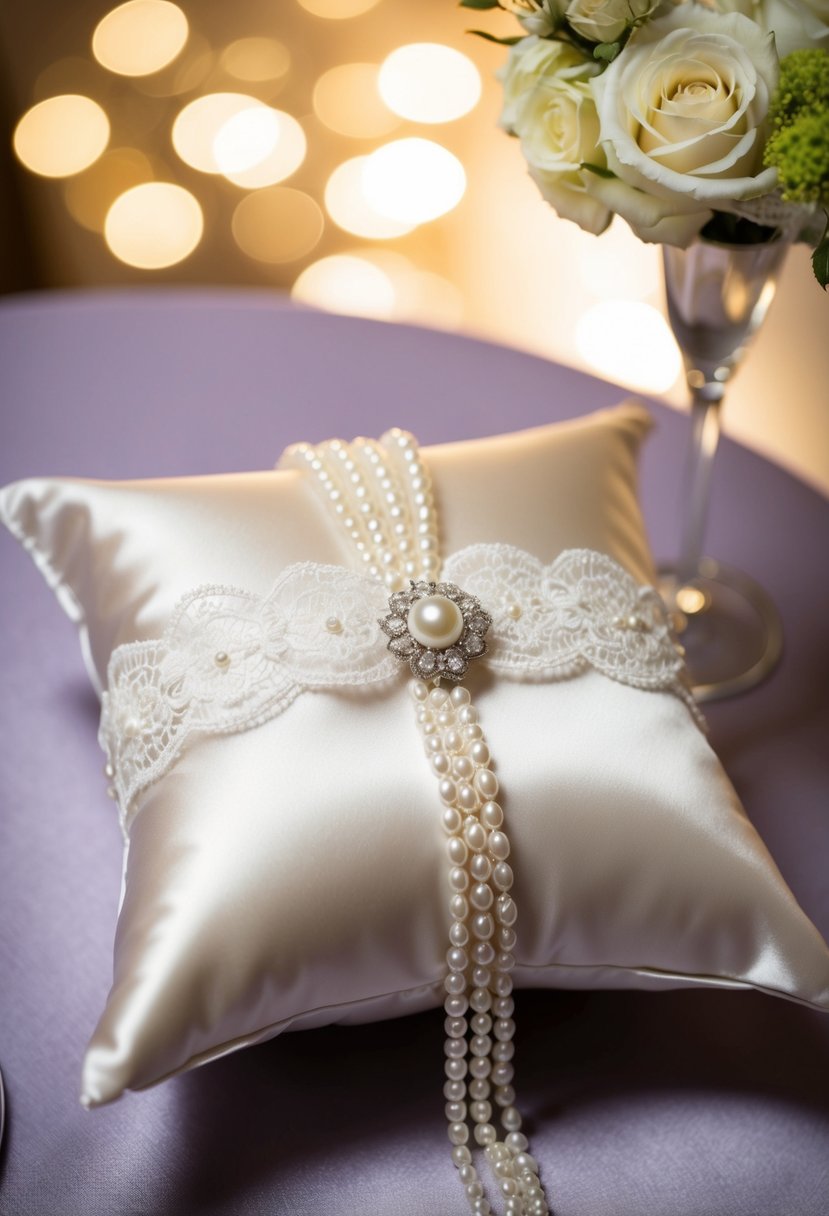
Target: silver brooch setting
x=436, y=628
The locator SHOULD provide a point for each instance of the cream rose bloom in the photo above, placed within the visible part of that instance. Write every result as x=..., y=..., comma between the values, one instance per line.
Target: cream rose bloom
x=606, y=20
x=682, y=112
x=796, y=24
x=558, y=126
x=531, y=61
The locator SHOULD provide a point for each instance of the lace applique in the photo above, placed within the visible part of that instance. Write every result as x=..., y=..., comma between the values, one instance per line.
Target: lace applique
x=230, y=660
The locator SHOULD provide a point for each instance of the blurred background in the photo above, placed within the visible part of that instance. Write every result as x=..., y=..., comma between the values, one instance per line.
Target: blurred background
x=346, y=152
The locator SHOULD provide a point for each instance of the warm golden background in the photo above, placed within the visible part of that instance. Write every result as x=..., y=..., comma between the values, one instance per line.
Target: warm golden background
x=264, y=189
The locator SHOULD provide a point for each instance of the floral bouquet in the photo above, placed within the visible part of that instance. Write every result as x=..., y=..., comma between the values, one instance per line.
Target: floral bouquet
x=688, y=119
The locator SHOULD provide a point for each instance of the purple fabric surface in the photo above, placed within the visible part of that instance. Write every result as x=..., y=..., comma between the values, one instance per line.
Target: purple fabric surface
x=679, y=1104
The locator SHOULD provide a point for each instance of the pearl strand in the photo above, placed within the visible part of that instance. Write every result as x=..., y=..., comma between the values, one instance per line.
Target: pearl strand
x=405, y=454
x=478, y=1004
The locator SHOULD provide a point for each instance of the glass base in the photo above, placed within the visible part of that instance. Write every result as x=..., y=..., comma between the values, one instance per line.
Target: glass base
x=728, y=625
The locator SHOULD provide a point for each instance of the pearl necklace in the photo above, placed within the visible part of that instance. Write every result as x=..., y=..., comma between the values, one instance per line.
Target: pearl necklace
x=381, y=495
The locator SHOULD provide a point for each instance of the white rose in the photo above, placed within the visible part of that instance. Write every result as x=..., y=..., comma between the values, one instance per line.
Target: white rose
x=530, y=61
x=559, y=129
x=796, y=24
x=606, y=20
x=537, y=16
x=681, y=112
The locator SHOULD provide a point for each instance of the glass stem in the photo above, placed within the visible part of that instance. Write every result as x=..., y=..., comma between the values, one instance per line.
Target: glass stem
x=705, y=435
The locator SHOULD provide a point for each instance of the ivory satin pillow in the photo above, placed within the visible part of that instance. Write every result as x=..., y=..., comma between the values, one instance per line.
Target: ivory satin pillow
x=292, y=874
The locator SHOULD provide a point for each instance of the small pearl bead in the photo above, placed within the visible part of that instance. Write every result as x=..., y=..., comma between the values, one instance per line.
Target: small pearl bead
x=502, y=876
x=481, y=1023
x=481, y=977
x=492, y=815
x=504, y=1028
x=334, y=625
x=475, y=836
x=505, y=910
x=503, y=1051
x=479, y=752
x=511, y=1119
x=455, y=1111
x=481, y=1112
x=455, y=983
x=453, y=740
x=517, y=1141
x=505, y=1095
x=461, y=1155
x=502, y=1074
x=456, y=1028
x=479, y=1089
x=459, y=936
x=462, y=766
x=467, y=715
x=480, y=1045
x=468, y=801
x=441, y=764
x=480, y=868
x=456, y=1006
x=451, y=820
x=485, y=1133
x=448, y=791
x=481, y=894
x=503, y=1007
x=458, y=1133
x=480, y=999
x=507, y=938
x=486, y=783
x=459, y=908
x=456, y=1070
x=483, y=953
x=498, y=845
x=456, y=959
x=454, y=1049
x=480, y=1067
x=438, y=697
x=472, y=732
x=458, y=881
x=483, y=926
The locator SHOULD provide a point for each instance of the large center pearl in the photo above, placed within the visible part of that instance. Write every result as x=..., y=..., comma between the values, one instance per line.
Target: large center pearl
x=435, y=621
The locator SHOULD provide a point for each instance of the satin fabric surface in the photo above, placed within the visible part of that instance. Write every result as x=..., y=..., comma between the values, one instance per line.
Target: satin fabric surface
x=266, y=888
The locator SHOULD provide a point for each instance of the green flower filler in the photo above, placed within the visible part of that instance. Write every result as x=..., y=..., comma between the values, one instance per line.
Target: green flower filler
x=798, y=147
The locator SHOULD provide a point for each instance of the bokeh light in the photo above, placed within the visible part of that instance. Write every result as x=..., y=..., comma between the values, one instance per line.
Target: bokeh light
x=246, y=139
x=629, y=342
x=140, y=37
x=286, y=157
x=346, y=203
x=347, y=284
x=256, y=59
x=347, y=100
x=90, y=195
x=219, y=133
x=277, y=224
x=413, y=180
x=428, y=82
x=62, y=135
x=154, y=225
x=337, y=10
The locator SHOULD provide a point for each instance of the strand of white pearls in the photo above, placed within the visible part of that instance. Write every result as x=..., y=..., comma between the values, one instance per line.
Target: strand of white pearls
x=478, y=1004
x=404, y=453
x=382, y=497
x=346, y=494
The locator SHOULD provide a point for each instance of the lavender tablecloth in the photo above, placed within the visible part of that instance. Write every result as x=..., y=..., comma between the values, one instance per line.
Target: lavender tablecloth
x=679, y=1104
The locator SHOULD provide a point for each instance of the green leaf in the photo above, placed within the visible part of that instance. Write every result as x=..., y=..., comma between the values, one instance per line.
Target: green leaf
x=491, y=38
x=481, y=4
x=820, y=257
x=599, y=170
x=607, y=51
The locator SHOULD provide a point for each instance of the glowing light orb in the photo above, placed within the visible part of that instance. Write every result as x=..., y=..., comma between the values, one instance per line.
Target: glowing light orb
x=62, y=135
x=140, y=37
x=428, y=82
x=413, y=180
x=154, y=225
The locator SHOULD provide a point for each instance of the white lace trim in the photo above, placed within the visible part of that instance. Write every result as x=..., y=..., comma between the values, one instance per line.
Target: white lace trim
x=230, y=660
